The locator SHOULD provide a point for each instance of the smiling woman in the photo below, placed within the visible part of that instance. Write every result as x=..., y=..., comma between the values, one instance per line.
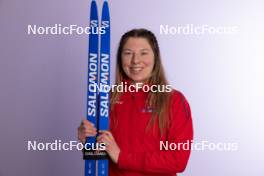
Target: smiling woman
x=140, y=120
x=137, y=59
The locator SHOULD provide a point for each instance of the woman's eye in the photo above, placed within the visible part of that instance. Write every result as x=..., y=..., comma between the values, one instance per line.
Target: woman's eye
x=127, y=53
x=144, y=53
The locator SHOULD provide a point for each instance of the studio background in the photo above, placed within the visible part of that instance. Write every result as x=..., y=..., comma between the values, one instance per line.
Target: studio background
x=43, y=79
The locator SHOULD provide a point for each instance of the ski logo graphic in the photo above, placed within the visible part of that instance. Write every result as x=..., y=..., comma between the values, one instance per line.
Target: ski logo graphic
x=92, y=81
x=104, y=110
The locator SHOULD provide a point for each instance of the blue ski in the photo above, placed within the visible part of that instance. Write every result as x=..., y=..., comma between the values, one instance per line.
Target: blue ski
x=104, y=81
x=92, y=95
x=96, y=164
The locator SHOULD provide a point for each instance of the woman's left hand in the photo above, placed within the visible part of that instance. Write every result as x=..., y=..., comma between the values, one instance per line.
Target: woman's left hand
x=111, y=146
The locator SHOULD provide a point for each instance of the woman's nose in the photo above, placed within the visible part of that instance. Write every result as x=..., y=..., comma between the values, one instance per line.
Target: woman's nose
x=135, y=58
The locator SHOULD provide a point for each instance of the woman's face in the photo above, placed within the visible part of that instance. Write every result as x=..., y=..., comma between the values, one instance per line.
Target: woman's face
x=137, y=59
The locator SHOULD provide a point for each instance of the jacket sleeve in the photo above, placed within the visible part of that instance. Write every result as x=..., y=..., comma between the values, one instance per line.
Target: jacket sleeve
x=165, y=161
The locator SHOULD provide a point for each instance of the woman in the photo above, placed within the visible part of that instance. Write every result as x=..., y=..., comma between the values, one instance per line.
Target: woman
x=143, y=122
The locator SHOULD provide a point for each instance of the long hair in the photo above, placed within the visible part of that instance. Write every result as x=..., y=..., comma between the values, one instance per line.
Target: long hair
x=158, y=101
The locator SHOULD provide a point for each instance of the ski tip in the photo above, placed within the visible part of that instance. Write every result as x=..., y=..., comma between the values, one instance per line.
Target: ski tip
x=93, y=11
x=105, y=9
x=105, y=4
x=93, y=3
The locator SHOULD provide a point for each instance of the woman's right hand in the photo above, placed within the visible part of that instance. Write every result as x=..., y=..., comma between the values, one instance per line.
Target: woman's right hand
x=86, y=129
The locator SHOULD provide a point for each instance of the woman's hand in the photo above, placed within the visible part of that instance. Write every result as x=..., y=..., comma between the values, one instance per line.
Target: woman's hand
x=86, y=129
x=111, y=146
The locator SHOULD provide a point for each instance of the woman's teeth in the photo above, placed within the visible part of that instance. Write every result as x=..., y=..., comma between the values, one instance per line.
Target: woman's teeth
x=136, y=69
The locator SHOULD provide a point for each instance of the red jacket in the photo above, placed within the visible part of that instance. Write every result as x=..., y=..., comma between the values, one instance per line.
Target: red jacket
x=140, y=148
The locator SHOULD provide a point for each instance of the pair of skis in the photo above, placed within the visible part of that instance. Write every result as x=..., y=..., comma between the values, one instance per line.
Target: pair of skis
x=96, y=164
